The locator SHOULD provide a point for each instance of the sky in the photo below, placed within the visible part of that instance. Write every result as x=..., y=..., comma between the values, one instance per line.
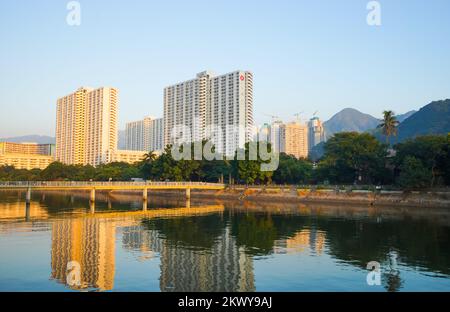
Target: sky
x=306, y=56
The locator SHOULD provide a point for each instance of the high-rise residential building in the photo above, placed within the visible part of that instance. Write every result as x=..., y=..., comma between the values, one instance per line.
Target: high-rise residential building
x=219, y=108
x=275, y=138
x=263, y=133
x=294, y=139
x=86, y=126
x=136, y=134
x=70, y=127
x=145, y=135
x=316, y=132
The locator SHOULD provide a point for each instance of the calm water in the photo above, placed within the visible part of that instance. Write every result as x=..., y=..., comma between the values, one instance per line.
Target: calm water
x=171, y=245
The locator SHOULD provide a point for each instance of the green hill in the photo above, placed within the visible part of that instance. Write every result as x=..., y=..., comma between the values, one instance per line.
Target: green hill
x=433, y=118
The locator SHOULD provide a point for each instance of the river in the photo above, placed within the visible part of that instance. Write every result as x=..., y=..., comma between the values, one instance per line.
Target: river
x=61, y=242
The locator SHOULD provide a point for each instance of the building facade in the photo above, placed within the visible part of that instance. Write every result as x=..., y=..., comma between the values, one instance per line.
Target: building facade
x=127, y=156
x=219, y=108
x=25, y=161
x=294, y=139
x=86, y=126
x=145, y=135
x=316, y=132
x=26, y=155
x=27, y=148
x=275, y=138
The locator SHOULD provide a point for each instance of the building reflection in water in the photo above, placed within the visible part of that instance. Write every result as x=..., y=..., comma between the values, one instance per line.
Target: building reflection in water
x=224, y=267
x=18, y=210
x=91, y=243
x=301, y=241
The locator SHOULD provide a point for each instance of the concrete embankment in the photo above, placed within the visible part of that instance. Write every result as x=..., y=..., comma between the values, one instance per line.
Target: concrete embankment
x=438, y=199
x=293, y=195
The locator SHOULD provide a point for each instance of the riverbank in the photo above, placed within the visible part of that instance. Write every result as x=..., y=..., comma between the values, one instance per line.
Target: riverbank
x=289, y=194
x=439, y=199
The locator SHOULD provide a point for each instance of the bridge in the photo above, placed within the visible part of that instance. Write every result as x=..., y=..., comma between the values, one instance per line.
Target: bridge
x=110, y=186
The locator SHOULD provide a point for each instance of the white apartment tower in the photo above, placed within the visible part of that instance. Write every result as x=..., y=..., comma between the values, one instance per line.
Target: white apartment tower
x=219, y=108
x=86, y=126
x=145, y=135
x=275, y=136
x=316, y=132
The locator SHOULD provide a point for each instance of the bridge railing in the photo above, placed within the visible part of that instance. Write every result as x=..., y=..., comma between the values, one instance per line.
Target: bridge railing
x=94, y=184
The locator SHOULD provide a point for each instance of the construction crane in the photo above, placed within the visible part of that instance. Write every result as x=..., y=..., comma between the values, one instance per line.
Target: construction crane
x=274, y=118
x=315, y=113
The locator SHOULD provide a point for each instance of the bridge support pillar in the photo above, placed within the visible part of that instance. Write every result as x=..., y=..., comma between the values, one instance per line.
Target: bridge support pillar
x=144, y=205
x=27, y=212
x=28, y=196
x=145, y=194
x=92, y=197
x=188, y=193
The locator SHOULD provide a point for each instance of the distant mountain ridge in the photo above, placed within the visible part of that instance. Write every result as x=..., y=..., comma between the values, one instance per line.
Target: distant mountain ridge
x=350, y=119
x=43, y=139
x=433, y=118
x=403, y=117
x=40, y=139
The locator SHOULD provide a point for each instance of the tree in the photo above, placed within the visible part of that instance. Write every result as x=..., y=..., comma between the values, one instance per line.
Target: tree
x=431, y=150
x=352, y=157
x=249, y=171
x=389, y=125
x=145, y=166
x=58, y=171
x=413, y=173
x=292, y=170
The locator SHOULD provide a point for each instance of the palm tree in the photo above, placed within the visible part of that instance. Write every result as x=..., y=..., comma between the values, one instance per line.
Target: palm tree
x=389, y=125
x=149, y=157
x=145, y=166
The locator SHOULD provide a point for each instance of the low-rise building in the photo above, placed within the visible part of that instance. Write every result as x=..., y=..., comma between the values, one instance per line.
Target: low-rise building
x=27, y=148
x=26, y=155
x=25, y=161
x=128, y=156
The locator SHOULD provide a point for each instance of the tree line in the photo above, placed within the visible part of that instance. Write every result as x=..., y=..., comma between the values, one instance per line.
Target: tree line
x=349, y=158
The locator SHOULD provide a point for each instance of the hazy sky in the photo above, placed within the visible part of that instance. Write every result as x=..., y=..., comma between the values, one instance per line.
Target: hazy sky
x=305, y=55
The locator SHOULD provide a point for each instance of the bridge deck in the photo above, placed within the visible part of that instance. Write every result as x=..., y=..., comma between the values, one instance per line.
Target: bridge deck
x=112, y=185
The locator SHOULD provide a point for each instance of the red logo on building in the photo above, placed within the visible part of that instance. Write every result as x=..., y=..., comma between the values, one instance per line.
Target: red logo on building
x=242, y=77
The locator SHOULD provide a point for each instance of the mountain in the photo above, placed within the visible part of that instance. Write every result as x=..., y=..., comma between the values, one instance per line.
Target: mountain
x=40, y=139
x=403, y=117
x=433, y=118
x=350, y=119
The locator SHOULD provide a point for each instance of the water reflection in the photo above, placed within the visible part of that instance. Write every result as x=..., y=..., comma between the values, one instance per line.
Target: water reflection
x=91, y=243
x=199, y=247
